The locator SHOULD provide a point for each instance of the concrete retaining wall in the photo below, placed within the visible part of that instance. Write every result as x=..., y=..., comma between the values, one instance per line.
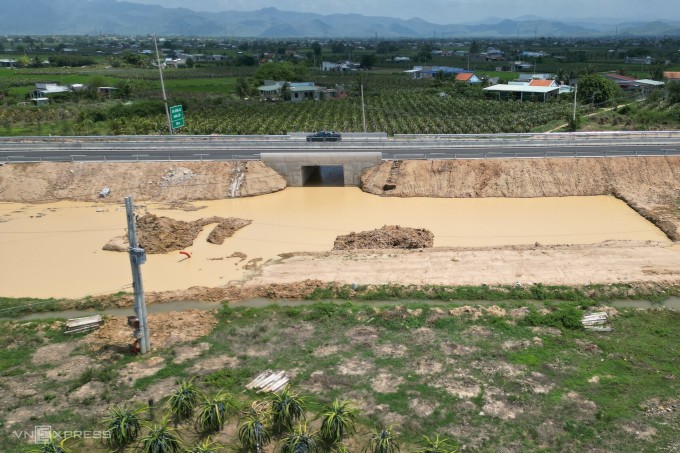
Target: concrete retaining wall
x=290, y=165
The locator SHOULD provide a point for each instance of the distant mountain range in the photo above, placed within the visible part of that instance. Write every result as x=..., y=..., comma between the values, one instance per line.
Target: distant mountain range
x=124, y=18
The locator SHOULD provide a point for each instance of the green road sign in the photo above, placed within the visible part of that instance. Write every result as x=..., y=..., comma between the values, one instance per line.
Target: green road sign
x=177, y=116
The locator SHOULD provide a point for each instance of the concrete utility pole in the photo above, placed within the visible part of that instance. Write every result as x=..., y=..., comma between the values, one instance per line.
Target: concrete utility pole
x=363, y=109
x=137, y=258
x=165, y=98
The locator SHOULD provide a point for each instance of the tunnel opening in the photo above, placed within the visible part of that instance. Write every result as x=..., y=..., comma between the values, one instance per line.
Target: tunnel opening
x=323, y=176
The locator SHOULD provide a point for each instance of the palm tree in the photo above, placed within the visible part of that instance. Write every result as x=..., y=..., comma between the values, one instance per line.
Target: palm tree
x=338, y=422
x=160, y=439
x=299, y=441
x=437, y=445
x=253, y=433
x=212, y=413
x=287, y=408
x=382, y=441
x=123, y=425
x=183, y=400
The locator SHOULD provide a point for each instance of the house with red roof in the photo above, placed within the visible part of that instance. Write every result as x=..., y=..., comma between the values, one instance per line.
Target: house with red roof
x=671, y=76
x=468, y=77
x=625, y=82
x=543, y=83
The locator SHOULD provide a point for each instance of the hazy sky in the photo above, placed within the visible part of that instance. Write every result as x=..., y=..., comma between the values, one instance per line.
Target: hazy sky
x=451, y=11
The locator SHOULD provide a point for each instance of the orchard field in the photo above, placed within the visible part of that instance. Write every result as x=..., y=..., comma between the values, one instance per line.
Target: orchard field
x=394, y=104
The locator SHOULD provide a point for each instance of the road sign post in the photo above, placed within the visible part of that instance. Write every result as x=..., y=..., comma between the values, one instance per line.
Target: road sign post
x=177, y=116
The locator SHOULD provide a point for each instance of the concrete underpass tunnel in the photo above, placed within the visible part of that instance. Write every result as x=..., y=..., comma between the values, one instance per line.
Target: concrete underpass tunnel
x=323, y=176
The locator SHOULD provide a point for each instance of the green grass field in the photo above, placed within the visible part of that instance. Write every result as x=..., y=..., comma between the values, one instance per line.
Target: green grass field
x=504, y=377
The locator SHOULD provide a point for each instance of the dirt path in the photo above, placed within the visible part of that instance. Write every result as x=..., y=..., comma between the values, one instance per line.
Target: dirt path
x=611, y=262
x=608, y=109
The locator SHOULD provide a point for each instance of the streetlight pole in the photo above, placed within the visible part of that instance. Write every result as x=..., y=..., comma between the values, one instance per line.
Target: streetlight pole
x=160, y=70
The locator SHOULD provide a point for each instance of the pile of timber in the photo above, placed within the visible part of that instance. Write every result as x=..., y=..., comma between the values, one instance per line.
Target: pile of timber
x=269, y=381
x=597, y=322
x=83, y=324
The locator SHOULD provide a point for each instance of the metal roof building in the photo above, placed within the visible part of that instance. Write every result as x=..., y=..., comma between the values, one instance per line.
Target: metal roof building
x=524, y=91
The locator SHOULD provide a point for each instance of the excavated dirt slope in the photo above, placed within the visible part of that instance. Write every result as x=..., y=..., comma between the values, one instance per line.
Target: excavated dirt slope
x=154, y=181
x=651, y=185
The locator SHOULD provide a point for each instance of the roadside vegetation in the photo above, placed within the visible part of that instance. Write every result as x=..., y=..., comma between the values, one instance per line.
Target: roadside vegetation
x=507, y=376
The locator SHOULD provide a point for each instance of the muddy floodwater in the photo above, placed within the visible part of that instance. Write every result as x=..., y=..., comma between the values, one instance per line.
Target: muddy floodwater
x=55, y=250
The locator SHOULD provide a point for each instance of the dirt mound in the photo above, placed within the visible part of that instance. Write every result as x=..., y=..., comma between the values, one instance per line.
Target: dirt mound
x=166, y=329
x=162, y=234
x=387, y=237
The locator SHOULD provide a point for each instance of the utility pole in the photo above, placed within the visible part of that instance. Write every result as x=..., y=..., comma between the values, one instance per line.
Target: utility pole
x=575, y=91
x=160, y=70
x=137, y=258
x=363, y=109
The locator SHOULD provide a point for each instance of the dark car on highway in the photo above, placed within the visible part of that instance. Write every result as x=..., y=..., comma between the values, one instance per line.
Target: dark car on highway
x=324, y=136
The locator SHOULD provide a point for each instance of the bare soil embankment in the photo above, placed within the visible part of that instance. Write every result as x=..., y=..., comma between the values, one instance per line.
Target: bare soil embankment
x=650, y=185
x=148, y=181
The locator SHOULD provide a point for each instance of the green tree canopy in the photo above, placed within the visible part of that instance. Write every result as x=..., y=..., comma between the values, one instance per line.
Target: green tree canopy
x=133, y=59
x=673, y=93
x=596, y=88
x=368, y=60
x=285, y=71
x=425, y=53
x=316, y=48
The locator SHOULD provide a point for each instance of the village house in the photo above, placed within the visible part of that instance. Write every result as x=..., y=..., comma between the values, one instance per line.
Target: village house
x=624, y=82
x=671, y=76
x=638, y=60
x=526, y=90
x=343, y=66
x=428, y=72
x=468, y=77
x=297, y=91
